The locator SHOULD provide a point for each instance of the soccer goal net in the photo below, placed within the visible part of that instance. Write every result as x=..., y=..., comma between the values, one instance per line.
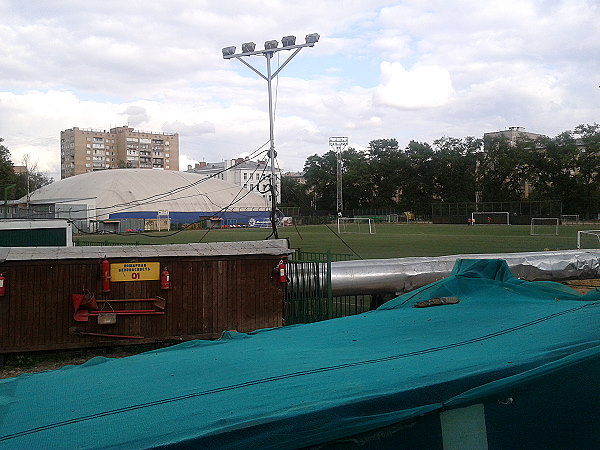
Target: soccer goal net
x=544, y=226
x=490, y=218
x=569, y=219
x=588, y=239
x=355, y=225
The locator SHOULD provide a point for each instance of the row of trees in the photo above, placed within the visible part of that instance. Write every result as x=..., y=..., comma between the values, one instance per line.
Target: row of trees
x=457, y=170
x=18, y=185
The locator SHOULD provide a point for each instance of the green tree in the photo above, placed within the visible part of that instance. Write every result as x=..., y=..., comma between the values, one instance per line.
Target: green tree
x=454, y=165
x=293, y=193
x=586, y=173
x=320, y=175
x=417, y=179
x=505, y=168
x=357, y=189
x=566, y=168
x=552, y=168
x=7, y=173
x=387, y=167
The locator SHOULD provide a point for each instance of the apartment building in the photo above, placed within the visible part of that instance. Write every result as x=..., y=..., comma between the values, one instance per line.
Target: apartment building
x=252, y=175
x=512, y=134
x=86, y=150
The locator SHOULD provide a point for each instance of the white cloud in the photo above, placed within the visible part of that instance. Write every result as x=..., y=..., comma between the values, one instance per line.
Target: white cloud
x=136, y=115
x=421, y=87
x=382, y=69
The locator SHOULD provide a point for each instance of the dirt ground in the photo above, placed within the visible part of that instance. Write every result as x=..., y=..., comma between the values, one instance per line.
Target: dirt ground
x=38, y=362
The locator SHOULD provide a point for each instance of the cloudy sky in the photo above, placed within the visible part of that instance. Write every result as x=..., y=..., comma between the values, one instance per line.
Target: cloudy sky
x=405, y=69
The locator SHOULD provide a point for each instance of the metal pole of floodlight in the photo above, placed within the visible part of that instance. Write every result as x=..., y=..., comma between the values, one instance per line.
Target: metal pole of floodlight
x=339, y=144
x=271, y=47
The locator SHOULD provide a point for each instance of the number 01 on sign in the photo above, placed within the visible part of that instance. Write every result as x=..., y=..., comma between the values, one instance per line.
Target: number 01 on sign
x=138, y=271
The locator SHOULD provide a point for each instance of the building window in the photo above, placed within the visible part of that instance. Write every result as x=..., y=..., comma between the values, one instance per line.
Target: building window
x=245, y=176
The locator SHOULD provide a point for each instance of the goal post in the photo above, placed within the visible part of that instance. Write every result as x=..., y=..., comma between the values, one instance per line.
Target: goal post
x=593, y=236
x=544, y=226
x=363, y=225
x=490, y=218
x=569, y=219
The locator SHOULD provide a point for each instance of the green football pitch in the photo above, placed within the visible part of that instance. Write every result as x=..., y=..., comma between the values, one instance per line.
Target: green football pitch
x=389, y=240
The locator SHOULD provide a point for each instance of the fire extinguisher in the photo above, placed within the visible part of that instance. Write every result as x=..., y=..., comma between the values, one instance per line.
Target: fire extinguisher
x=2, y=285
x=282, y=275
x=105, y=274
x=165, y=279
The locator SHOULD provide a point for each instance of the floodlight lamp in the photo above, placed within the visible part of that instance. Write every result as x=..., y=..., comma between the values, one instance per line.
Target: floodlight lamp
x=312, y=38
x=248, y=47
x=270, y=45
x=228, y=51
x=288, y=41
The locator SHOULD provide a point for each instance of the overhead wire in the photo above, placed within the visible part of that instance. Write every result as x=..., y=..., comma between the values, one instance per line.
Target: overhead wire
x=162, y=195
x=159, y=197
x=240, y=191
x=155, y=198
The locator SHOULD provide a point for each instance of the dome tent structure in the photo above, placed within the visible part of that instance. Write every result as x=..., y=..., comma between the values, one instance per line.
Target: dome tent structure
x=143, y=193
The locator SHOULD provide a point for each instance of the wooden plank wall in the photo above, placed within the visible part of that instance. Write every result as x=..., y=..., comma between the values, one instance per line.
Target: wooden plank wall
x=208, y=296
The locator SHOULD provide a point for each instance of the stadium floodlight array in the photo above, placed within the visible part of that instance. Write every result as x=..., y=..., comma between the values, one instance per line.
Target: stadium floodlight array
x=355, y=225
x=569, y=219
x=496, y=218
x=595, y=233
x=544, y=226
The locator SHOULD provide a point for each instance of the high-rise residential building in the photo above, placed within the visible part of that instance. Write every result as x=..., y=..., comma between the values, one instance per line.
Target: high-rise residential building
x=86, y=150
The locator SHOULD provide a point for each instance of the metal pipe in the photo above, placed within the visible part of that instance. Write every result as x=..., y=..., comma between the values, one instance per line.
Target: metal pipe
x=378, y=276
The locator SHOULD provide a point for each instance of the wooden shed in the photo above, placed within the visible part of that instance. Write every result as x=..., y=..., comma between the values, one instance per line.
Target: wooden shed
x=213, y=287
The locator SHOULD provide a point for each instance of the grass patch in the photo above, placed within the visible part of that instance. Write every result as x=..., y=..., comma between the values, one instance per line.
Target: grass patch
x=390, y=240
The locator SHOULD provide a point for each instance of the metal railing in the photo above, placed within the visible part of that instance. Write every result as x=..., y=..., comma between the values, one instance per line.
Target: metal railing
x=103, y=243
x=301, y=255
x=309, y=296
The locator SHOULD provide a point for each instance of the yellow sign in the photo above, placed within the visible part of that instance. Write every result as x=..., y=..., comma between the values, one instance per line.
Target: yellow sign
x=138, y=271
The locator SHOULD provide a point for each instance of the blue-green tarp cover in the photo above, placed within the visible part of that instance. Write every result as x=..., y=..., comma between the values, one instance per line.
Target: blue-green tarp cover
x=306, y=384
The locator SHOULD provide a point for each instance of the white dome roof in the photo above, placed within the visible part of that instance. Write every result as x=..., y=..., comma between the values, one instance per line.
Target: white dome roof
x=127, y=190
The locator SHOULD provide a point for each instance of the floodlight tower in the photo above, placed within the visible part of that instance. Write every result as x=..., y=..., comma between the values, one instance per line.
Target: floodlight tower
x=339, y=144
x=271, y=47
